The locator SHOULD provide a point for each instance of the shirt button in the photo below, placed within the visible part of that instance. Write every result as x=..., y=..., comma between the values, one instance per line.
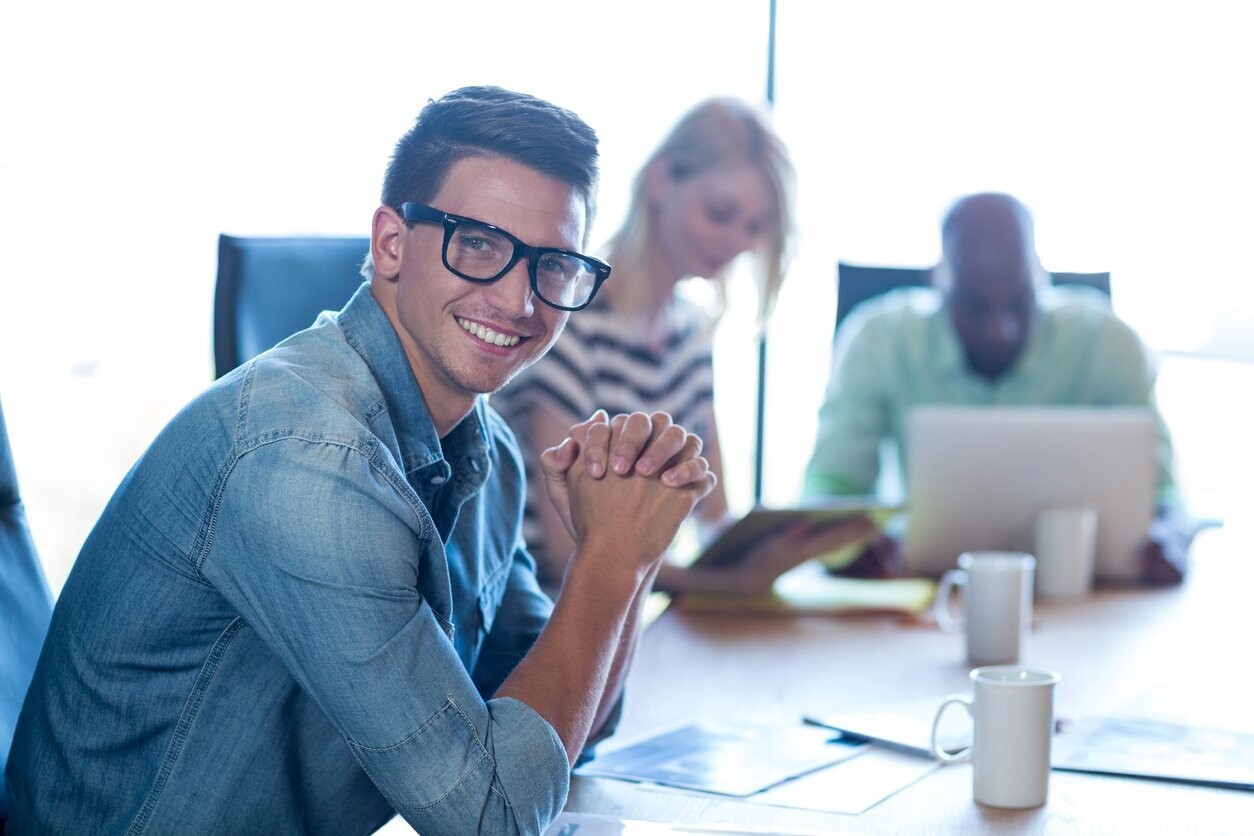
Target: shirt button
x=437, y=479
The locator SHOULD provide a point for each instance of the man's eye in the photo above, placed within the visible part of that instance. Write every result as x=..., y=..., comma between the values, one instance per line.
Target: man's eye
x=472, y=242
x=558, y=267
x=721, y=214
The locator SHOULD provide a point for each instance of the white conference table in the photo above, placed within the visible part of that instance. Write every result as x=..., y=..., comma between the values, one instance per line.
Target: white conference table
x=1185, y=648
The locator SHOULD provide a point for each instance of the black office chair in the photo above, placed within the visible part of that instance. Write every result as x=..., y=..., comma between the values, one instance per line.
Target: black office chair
x=25, y=607
x=855, y=283
x=270, y=288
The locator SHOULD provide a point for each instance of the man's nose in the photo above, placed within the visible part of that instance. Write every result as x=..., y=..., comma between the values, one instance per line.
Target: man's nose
x=1005, y=328
x=511, y=294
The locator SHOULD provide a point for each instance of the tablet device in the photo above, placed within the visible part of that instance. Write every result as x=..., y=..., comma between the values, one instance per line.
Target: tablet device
x=732, y=544
x=976, y=477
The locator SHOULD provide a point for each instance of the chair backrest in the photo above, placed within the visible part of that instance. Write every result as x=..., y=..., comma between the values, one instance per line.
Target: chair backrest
x=270, y=288
x=25, y=607
x=855, y=283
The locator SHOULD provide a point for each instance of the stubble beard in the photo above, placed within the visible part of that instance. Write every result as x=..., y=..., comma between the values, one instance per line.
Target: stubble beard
x=468, y=381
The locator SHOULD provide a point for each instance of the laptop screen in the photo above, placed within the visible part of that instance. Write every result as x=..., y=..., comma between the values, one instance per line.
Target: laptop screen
x=976, y=477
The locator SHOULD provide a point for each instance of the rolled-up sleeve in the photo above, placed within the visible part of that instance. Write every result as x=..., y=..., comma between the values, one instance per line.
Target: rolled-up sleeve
x=511, y=778
x=320, y=547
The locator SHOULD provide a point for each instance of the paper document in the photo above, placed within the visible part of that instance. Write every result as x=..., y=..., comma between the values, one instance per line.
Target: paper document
x=1147, y=748
x=907, y=730
x=727, y=760
x=586, y=824
x=852, y=786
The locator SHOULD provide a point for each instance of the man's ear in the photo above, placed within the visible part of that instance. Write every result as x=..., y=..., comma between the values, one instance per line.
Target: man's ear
x=386, y=242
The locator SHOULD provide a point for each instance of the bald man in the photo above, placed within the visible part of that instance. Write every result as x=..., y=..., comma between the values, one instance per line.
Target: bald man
x=991, y=331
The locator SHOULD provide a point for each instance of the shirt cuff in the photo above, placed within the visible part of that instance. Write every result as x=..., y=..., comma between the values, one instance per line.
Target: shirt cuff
x=531, y=763
x=512, y=777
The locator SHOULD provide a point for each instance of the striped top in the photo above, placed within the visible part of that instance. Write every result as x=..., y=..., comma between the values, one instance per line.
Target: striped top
x=598, y=363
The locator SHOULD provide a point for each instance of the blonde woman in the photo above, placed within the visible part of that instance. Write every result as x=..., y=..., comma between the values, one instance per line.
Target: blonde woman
x=718, y=186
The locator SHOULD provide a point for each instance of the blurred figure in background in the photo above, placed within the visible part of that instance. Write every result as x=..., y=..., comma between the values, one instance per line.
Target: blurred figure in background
x=992, y=331
x=719, y=185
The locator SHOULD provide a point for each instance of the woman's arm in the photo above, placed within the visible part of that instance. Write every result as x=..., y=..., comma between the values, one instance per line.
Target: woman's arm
x=757, y=570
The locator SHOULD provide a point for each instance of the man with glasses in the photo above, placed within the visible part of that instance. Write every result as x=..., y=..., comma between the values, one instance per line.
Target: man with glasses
x=309, y=604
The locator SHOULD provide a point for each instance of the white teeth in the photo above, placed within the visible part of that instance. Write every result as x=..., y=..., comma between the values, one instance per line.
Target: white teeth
x=487, y=334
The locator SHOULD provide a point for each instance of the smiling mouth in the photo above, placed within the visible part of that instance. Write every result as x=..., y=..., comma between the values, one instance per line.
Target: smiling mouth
x=487, y=334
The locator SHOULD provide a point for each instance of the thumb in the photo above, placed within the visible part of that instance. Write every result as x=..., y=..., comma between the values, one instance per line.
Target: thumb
x=557, y=460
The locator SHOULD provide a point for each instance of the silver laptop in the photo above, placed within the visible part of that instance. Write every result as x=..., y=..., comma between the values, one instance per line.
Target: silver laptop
x=977, y=476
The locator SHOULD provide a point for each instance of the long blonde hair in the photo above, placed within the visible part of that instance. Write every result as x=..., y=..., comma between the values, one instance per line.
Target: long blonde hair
x=717, y=132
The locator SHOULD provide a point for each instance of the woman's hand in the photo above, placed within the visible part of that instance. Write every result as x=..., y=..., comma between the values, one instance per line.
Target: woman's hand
x=768, y=558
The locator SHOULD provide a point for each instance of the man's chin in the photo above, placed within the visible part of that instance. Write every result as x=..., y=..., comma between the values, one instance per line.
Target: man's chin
x=490, y=384
x=990, y=368
x=508, y=379
x=490, y=378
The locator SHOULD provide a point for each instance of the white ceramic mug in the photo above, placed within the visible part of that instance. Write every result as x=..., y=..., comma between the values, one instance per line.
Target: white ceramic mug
x=996, y=604
x=1013, y=711
x=1064, y=540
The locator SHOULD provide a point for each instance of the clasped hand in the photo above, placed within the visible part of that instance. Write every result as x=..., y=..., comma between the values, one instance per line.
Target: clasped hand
x=626, y=484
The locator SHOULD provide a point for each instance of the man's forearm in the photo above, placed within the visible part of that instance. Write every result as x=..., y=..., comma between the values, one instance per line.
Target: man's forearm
x=626, y=650
x=583, y=651
x=566, y=674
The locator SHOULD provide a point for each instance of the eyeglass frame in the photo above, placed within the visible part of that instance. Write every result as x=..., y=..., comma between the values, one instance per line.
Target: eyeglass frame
x=412, y=212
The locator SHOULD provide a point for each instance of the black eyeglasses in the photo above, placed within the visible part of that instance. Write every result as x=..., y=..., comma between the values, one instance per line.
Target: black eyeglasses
x=480, y=252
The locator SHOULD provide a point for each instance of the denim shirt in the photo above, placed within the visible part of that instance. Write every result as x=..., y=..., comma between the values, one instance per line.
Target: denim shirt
x=292, y=615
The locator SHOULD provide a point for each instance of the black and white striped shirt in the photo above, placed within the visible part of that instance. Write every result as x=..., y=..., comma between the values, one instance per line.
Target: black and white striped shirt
x=599, y=363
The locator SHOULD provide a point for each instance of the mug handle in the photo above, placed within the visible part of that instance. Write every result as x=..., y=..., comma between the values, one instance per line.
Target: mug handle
x=941, y=754
x=951, y=580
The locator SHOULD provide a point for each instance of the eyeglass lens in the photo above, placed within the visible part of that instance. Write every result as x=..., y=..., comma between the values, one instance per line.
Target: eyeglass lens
x=482, y=253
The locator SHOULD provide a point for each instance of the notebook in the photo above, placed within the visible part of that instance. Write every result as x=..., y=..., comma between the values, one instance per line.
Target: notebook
x=976, y=477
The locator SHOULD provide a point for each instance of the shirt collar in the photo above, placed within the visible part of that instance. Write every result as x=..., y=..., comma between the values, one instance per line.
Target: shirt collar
x=424, y=457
